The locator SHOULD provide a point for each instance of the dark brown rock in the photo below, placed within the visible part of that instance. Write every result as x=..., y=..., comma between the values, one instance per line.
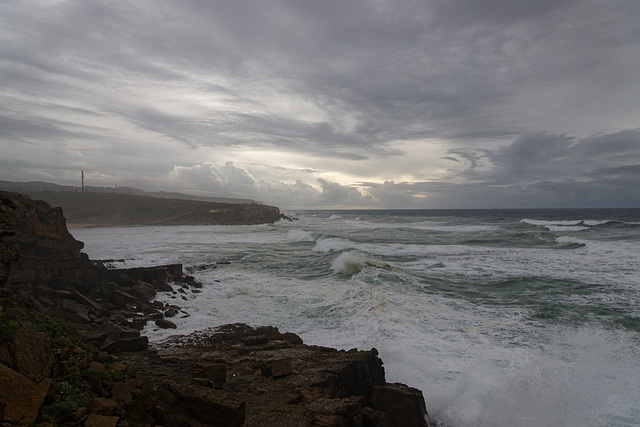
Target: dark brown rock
x=404, y=405
x=125, y=345
x=214, y=372
x=144, y=291
x=279, y=368
x=102, y=406
x=311, y=386
x=48, y=252
x=171, y=312
x=32, y=353
x=165, y=324
x=95, y=420
x=126, y=392
x=181, y=405
x=20, y=397
x=336, y=412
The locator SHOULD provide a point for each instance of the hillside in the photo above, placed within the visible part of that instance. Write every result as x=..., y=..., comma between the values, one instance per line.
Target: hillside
x=38, y=186
x=94, y=208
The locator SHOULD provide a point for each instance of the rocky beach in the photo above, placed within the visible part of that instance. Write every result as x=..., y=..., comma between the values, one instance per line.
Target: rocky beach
x=71, y=350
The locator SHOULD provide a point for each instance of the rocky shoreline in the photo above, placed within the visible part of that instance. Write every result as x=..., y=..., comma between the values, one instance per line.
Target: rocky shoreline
x=71, y=350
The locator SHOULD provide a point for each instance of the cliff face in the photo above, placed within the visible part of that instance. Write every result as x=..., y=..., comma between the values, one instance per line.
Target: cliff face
x=8, y=251
x=36, y=239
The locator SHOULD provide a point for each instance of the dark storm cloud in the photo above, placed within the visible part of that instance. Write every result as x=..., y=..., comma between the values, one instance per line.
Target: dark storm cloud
x=546, y=170
x=533, y=97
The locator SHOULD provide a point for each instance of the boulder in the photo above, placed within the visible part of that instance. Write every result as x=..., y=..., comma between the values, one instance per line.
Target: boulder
x=32, y=353
x=165, y=324
x=21, y=397
x=403, y=405
x=144, y=291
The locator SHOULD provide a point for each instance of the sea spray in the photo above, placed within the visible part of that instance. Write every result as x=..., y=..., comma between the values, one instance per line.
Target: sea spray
x=348, y=263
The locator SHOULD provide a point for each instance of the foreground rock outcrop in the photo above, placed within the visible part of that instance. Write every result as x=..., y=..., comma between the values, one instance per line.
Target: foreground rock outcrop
x=71, y=351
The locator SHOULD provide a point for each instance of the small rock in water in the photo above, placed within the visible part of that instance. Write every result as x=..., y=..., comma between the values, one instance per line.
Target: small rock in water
x=165, y=324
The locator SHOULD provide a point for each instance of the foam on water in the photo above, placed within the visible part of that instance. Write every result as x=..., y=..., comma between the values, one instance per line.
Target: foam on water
x=533, y=327
x=476, y=367
x=300, y=236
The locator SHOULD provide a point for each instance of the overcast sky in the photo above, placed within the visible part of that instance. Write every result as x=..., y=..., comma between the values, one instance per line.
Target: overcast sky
x=328, y=104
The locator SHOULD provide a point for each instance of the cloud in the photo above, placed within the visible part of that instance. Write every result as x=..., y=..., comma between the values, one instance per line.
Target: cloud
x=236, y=181
x=429, y=104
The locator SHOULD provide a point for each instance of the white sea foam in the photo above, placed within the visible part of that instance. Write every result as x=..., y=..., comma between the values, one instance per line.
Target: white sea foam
x=545, y=223
x=333, y=244
x=478, y=364
x=300, y=236
x=556, y=228
x=564, y=225
x=348, y=263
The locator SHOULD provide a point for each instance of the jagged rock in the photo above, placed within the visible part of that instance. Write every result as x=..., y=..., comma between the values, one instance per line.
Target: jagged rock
x=48, y=253
x=180, y=405
x=403, y=404
x=312, y=386
x=20, y=397
x=163, y=287
x=32, y=353
x=144, y=291
x=87, y=301
x=171, y=312
x=76, y=311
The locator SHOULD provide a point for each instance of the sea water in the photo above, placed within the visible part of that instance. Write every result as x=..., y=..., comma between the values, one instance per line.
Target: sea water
x=500, y=317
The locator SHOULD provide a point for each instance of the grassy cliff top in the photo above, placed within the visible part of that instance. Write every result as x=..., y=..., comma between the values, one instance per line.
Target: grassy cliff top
x=124, y=209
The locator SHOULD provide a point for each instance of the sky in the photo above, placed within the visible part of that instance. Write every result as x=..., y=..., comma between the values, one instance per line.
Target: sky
x=308, y=104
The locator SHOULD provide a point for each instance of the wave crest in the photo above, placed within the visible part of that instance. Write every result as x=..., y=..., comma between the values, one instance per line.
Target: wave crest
x=300, y=236
x=349, y=263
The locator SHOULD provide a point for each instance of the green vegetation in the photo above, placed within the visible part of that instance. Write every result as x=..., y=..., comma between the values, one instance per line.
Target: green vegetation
x=75, y=386
x=8, y=325
x=64, y=402
x=14, y=316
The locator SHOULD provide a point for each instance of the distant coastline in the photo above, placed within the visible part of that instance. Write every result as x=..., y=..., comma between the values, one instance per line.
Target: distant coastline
x=121, y=207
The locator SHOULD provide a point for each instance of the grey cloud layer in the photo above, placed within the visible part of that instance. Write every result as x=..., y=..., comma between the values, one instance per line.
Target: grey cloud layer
x=552, y=85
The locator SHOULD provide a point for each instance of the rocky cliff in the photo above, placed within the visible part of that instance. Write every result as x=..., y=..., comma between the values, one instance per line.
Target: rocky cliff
x=71, y=351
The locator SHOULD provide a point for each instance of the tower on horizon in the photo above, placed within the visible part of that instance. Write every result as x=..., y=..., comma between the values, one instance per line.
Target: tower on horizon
x=83, y=181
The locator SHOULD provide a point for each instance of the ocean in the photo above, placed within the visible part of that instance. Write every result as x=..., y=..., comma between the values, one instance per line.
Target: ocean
x=500, y=317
